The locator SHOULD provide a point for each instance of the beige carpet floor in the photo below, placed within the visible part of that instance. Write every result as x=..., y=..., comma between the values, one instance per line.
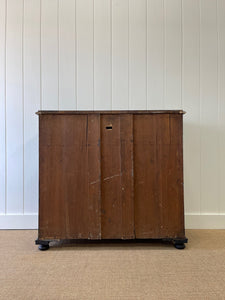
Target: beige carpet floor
x=112, y=271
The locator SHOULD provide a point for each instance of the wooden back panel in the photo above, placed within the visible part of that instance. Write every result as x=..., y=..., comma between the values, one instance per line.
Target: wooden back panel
x=106, y=175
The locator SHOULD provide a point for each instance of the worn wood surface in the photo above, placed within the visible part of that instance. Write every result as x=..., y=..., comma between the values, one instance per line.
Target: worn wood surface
x=158, y=167
x=69, y=205
x=111, y=176
x=116, y=173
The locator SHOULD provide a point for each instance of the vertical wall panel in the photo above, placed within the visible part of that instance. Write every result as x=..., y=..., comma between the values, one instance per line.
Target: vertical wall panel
x=191, y=104
x=209, y=107
x=102, y=54
x=137, y=54
x=67, y=55
x=31, y=62
x=14, y=106
x=120, y=54
x=172, y=50
x=85, y=43
x=221, y=99
x=49, y=54
x=2, y=105
x=155, y=54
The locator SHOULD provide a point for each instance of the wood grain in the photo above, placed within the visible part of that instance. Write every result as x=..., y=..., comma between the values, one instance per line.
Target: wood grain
x=146, y=177
x=117, y=181
x=111, y=176
x=170, y=159
x=127, y=176
x=158, y=176
x=69, y=192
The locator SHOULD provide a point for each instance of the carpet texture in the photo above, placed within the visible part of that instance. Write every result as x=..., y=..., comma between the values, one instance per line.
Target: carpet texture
x=112, y=271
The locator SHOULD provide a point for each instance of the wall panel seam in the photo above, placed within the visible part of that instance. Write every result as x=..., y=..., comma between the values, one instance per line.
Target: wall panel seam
x=111, y=57
x=112, y=53
x=93, y=52
x=200, y=106
x=23, y=92
x=164, y=54
x=58, y=47
x=218, y=105
x=40, y=55
x=146, y=69
x=75, y=47
x=128, y=50
x=181, y=52
x=5, y=110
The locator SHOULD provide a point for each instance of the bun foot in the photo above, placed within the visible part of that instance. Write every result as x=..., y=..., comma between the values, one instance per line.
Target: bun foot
x=179, y=245
x=43, y=244
x=43, y=247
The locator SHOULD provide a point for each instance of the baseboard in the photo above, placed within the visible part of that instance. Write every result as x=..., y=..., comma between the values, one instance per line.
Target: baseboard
x=205, y=221
x=192, y=221
x=19, y=221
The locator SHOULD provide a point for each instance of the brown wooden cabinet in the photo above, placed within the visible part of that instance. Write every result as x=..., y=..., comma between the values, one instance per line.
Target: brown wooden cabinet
x=111, y=175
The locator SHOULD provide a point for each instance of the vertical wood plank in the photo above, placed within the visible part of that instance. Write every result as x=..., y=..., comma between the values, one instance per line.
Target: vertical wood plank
x=146, y=191
x=2, y=106
x=117, y=219
x=127, y=176
x=102, y=55
x=137, y=54
x=85, y=78
x=14, y=106
x=209, y=107
x=173, y=39
x=221, y=101
x=191, y=104
x=67, y=55
x=94, y=176
x=31, y=102
x=158, y=187
x=55, y=157
x=111, y=216
x=170, y=158
x=49, y=54
x=120, y=54
x=69, y=199
x=155, y=54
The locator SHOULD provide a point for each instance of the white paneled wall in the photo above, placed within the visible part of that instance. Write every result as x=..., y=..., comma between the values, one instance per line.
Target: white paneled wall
x=113, y=54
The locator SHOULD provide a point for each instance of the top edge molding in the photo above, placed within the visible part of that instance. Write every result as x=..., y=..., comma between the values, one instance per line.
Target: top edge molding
x=75, y=112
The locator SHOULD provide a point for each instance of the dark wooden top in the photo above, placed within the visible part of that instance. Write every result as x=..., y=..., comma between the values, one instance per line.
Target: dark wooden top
x=74, y=112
